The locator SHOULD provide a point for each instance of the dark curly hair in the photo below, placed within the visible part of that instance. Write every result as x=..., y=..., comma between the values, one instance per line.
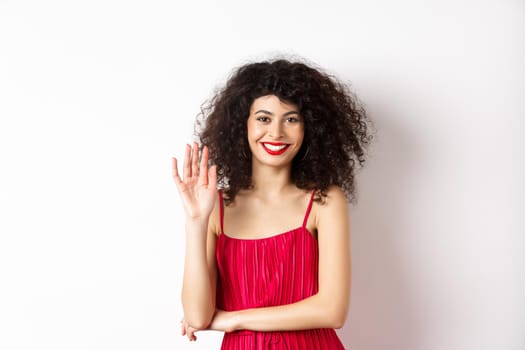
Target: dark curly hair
x=336, y=126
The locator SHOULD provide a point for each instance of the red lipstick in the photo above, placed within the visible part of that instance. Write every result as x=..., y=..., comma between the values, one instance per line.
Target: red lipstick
x=277, y=148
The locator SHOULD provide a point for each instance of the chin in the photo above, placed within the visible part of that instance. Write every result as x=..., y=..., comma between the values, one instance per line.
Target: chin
x=275, y=161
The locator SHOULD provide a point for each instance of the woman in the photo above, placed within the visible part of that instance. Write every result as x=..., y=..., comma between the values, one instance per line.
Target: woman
x=268, y=255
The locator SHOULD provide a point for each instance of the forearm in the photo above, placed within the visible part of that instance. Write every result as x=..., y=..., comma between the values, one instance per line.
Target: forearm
x=197, y=301
x=313, y=312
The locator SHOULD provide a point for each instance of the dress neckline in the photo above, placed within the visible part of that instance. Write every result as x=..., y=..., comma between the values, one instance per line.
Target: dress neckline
x=299, y=228
x=281, y=234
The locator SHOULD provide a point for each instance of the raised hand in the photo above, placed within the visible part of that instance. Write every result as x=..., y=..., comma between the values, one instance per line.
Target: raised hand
x=198, y=187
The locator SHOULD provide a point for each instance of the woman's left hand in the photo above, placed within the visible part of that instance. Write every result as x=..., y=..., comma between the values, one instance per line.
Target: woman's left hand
x=188, y=330
x=224, y=321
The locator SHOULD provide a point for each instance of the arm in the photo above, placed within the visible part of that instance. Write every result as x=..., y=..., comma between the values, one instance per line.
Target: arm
x=329, y=307
x=199, y=196
x=200, y=274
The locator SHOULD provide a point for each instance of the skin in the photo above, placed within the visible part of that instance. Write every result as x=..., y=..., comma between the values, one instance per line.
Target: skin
x=272, y=120
x=273, y=196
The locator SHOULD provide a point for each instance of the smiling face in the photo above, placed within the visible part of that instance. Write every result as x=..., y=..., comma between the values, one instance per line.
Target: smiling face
x=275, y=131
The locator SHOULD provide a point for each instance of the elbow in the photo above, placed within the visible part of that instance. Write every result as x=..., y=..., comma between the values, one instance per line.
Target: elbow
x=338, y=320
x=197, y=316
x=334, y=309
x=198, y=322
x=335, y=314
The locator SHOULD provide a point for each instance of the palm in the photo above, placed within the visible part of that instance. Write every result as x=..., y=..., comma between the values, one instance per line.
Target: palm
x=198, y=187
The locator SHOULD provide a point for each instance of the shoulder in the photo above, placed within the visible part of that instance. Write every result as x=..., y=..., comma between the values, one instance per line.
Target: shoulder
x=334, y=207
x=335, y=197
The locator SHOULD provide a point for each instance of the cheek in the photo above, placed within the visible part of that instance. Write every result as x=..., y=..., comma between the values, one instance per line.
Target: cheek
x=254, y=132
x=299, y=135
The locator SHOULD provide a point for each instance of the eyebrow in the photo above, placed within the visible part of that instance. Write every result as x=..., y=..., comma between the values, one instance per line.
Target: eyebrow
x=270, y=113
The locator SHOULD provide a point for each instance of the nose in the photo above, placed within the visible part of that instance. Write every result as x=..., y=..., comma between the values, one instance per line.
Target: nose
x=275, y=129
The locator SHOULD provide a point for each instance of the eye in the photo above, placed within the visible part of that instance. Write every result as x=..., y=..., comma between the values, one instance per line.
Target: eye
x=292, y=120
x=263, y=119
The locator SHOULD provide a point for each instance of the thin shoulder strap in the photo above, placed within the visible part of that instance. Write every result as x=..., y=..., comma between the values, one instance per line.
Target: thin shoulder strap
x=309, y=208
x=221, y=206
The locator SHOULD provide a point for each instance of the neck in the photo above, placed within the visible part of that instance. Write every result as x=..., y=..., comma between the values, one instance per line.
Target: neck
x=271, y=180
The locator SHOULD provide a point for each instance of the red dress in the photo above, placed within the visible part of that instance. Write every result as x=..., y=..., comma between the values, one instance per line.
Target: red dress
x=276, y=270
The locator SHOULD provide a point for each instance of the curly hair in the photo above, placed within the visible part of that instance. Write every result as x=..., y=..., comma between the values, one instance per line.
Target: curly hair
x=336, y=126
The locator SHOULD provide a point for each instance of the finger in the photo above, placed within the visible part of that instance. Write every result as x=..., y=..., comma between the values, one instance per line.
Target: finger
x=182, y=328
x=195, y=160
x=212, y=182
x=191, y=333
x=186, y=171
x=175, y=172
x=203, y=172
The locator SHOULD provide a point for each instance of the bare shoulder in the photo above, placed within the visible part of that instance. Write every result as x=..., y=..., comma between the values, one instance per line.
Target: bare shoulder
x=335, y=200
x=334, y=208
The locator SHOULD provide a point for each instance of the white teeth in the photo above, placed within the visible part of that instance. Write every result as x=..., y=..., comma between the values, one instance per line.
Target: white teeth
x=274, y=148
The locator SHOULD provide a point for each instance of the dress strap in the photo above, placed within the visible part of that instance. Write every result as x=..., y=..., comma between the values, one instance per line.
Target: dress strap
x=221, y=206
x=309, y=208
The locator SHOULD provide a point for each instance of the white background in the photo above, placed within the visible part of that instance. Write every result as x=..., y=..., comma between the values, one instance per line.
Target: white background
x=96, y=96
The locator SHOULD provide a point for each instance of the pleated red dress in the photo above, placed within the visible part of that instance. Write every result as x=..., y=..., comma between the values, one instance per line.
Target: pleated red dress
x=276, y=270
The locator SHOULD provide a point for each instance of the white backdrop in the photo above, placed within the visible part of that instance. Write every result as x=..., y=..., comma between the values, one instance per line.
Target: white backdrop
x=96, y=96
